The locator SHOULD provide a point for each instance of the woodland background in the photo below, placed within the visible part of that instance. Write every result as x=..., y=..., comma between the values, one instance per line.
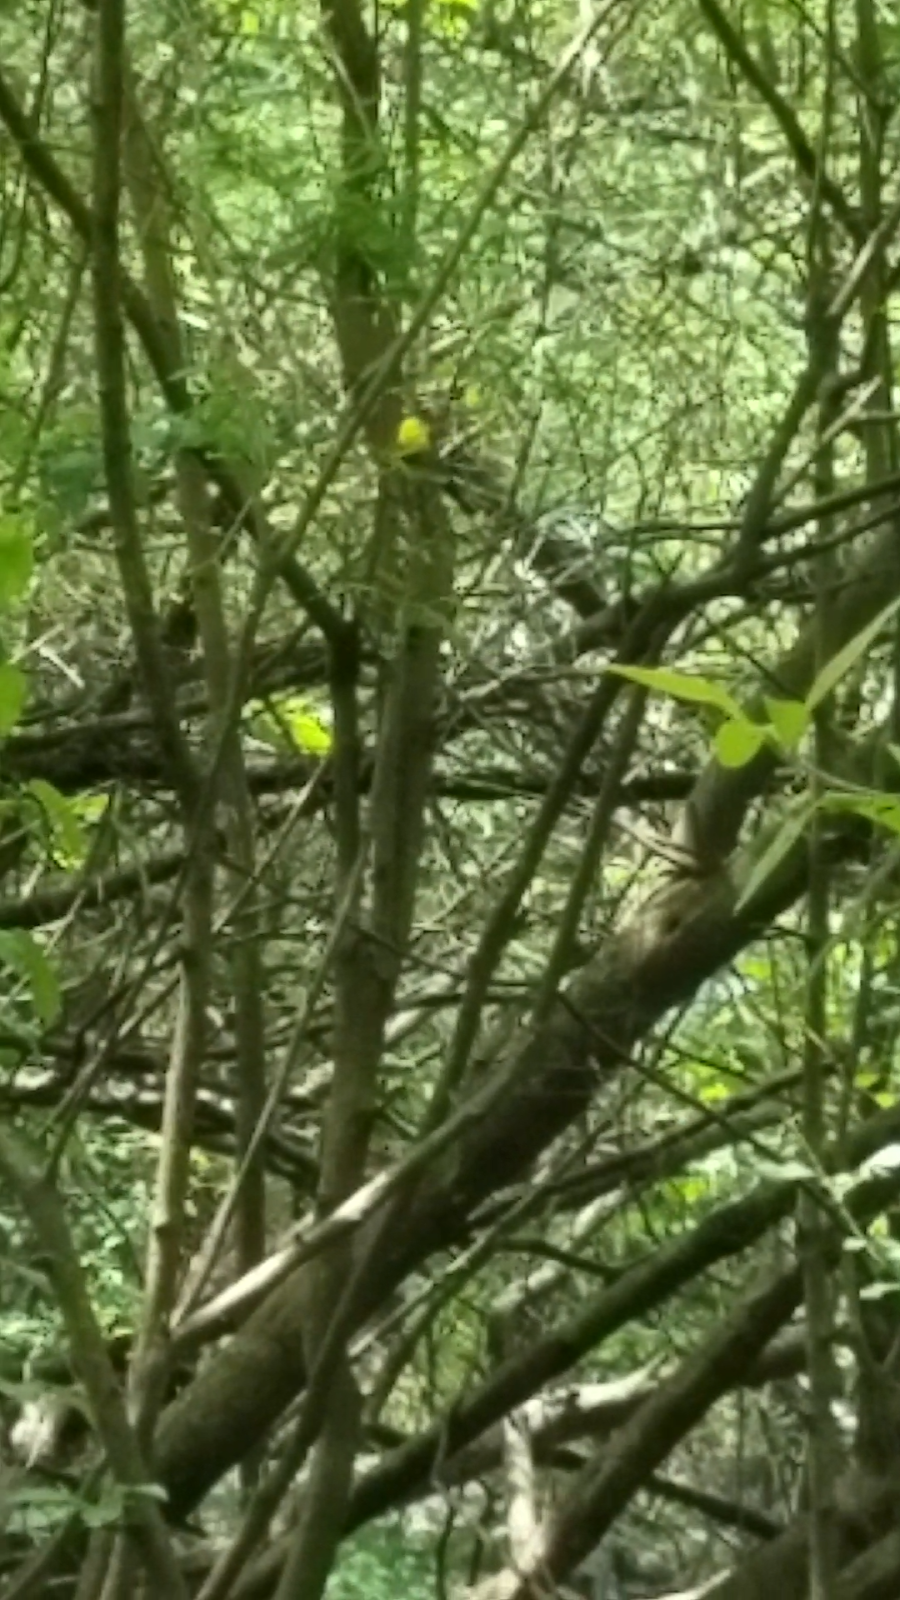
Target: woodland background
x=450, y=715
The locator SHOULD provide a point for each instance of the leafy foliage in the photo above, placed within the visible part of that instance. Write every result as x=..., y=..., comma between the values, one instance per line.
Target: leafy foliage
x=447, y=703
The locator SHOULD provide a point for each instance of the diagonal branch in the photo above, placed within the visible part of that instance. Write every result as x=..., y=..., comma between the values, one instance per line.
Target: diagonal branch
x=802, y=151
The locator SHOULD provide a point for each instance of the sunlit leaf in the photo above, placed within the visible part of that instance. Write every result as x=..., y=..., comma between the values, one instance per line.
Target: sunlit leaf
x=67, y=834
x=20, y=951
x=16, y=558
x=877, y=1291
x=737, y=741
x=13, y=691
x=681, y=686
x=790, y=720
x=310, y=734
x=291, y=720
x=840, y=664
x=882, y=809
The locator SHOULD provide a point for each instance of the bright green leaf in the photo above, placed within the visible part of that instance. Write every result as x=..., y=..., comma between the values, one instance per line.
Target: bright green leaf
x=291, y=720
x=90, y=807
x=882, y=809
x=309, y=733
x=68, y=836
x=738, y=741
x=16, y=558
x=13, y=689
x=789, y=719
x=840, y=664
x=681, y=686
x=20, y=951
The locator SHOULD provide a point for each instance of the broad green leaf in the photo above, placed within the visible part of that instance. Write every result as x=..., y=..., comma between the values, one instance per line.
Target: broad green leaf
x=865, y=1080
x=68, y=836
x=789, y=719
x=89, y=807
x=738, y=741
x=107, y=1510
x=20, y=951
x=291, y=720
x=13, y=689
x=783, y=843
x=309, y=733
x=16, y=558
x=840, y=664
x=682, y=686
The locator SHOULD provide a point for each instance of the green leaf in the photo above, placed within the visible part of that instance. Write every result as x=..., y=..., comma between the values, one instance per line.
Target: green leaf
x=790, y=720
x=877, y=1291
x=738, y=741
x=292, y=720
x=68, y=836
x=882, y=809
x=16, y=558
x=20, y=951
x=106, y=1511
x=682, y=686
x=309, y=733
x=13, y=690
x=783, y=843
x=840, y=664
x=35, y=1497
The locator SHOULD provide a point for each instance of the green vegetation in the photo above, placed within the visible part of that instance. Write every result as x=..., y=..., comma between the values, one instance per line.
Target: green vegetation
x=449, y=747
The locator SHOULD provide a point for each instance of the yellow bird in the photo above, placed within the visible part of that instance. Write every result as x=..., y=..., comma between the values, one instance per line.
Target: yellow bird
x=413, y=436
